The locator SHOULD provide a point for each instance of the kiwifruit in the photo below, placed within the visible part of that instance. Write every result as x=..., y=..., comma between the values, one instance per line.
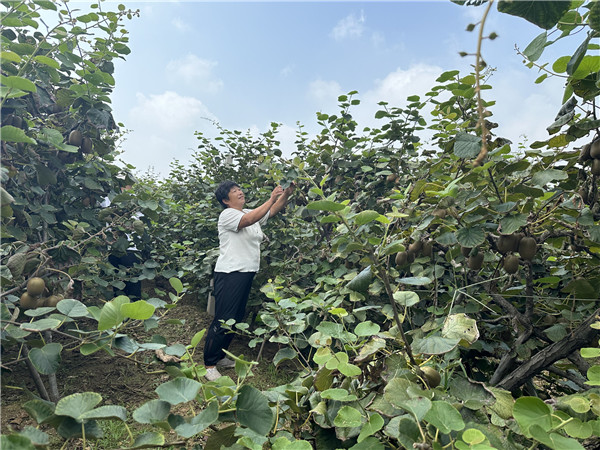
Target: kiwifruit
x=35, y=286
x=401, y=258
x=75, y=138
x=391, y=178
x=475, y=261
x=507, y=243
x=432, y=376
x=53, y=300
x=596, y=167
x=86, y=145
x=584, y=153
x=138, y=226
x=440, y=213
x=595, y=149
x=527, y=248
x=86, y=201
x=427, y=249
x=465, y=251
x=511, y=264
x=28, y=301
x=415, y=247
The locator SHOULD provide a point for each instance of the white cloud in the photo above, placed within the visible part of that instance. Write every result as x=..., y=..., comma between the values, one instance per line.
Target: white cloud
x=324, y=91
x=197, y=71
x=350, y=26
x=162, y=130
x=180, y=25
x=287, y=70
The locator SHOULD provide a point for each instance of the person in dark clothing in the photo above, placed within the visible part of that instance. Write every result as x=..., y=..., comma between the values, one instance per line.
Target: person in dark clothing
x=240, y=236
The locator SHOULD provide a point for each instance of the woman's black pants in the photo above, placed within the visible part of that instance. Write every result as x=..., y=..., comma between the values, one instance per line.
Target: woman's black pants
x=231, y=295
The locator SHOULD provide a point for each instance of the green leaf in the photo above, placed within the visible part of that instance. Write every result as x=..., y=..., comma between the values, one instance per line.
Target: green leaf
x=466, y=145
x=434, y=345
x=373, y=425
x=365, y=217
x=110, y=315
x=200, y=422
x=37, y=436
x=40, y=410
x=406, y=298
x=444, y=417
x=512, y=223
x=198, y=337
x=283, y=354
x=543, y=13
x=179, y=390
x=367, y=328
x=139, y=310
x=176, y=284
x=361, y=282
x=546, y=176
x=348, y=417
x=75, y=405
x=9, y=133
x=46, y=359
x=149, y=439
x=470, y=236
x=253, y=411
x=47, y=61
x=554, y=440
x=415, y=281
x=529, y=411
x=113, y=412
x=338, y=394
x=20, y=83
x=9, y=56
x=536, y=47
x=41, y=325
x=325, y=205
x=16, y=442
x=593, y=375
x=577, y=57
x=154, y=411
x=72, y=308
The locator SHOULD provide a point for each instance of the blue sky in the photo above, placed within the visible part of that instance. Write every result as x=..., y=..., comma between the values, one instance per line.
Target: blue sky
x=247, y=64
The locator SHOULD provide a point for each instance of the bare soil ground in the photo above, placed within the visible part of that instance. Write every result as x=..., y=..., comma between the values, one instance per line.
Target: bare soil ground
x=121, y=381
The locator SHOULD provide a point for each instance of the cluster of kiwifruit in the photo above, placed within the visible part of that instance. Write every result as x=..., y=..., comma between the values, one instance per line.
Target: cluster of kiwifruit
x=32, y=298
x=591, y=151
x=509, y=244
x=416, y=248
x=79, y=140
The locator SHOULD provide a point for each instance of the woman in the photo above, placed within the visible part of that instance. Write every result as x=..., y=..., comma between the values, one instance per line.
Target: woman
x=240, y=235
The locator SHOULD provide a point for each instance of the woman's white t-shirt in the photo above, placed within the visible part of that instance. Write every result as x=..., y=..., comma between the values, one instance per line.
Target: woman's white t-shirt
x=239, y=250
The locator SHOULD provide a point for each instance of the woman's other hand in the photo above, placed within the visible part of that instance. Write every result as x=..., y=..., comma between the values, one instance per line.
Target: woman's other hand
x=290, y=189
x=276, y=193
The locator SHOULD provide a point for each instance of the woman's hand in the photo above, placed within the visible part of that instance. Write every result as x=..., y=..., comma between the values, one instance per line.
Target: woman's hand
x=276, y=193
x=290, y=189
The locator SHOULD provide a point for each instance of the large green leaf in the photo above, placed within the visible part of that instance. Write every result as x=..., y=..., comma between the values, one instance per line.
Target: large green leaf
x=510, y=224
x=545, y=14
x=9, y=133
x=16, y=442
x=149, y=439
x=361, y=282
x=154, y=411
x=373, y=425
x=46, y=359
x=76, y=405
x=434, y=345
x=459, y=326
x=199, y=422
x=72, y=308
x=110, y=315
x=325, y=205
x=444, y=417
x=140, y=310
x=364, y=217
x=40, y=410
x=406, y=298
x=113, y=412
x=467, y=145
x=41, y=325
x=536, y=47
x=367, y=328
x=179, y=390
x=470, y=236
x=546, y=176
x=348, y=417
x=529, y=411
x=283, y=354
x=253, y=411
x=554, y=441
x=20, y=83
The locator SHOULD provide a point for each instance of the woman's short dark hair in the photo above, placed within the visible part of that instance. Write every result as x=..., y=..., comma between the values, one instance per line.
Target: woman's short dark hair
x=222, y=192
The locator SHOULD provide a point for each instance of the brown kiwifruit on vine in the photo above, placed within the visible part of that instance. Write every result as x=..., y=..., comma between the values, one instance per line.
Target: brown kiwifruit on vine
x=75, y=138
x=527, y=248
x=86, y=201
x=86, y=145
x=432, y=376
x=440, y=213
x=53, y=300
x=391, y=178
x=427, y=249
x=401, y=258
x=28, y=301
x=36, y=286
x=415, y=247
x=584, y=153
x=596, y=167
x=475, y=262
x=595, y=149
x=511, y=264
x=465, y=251
x=507, y=243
